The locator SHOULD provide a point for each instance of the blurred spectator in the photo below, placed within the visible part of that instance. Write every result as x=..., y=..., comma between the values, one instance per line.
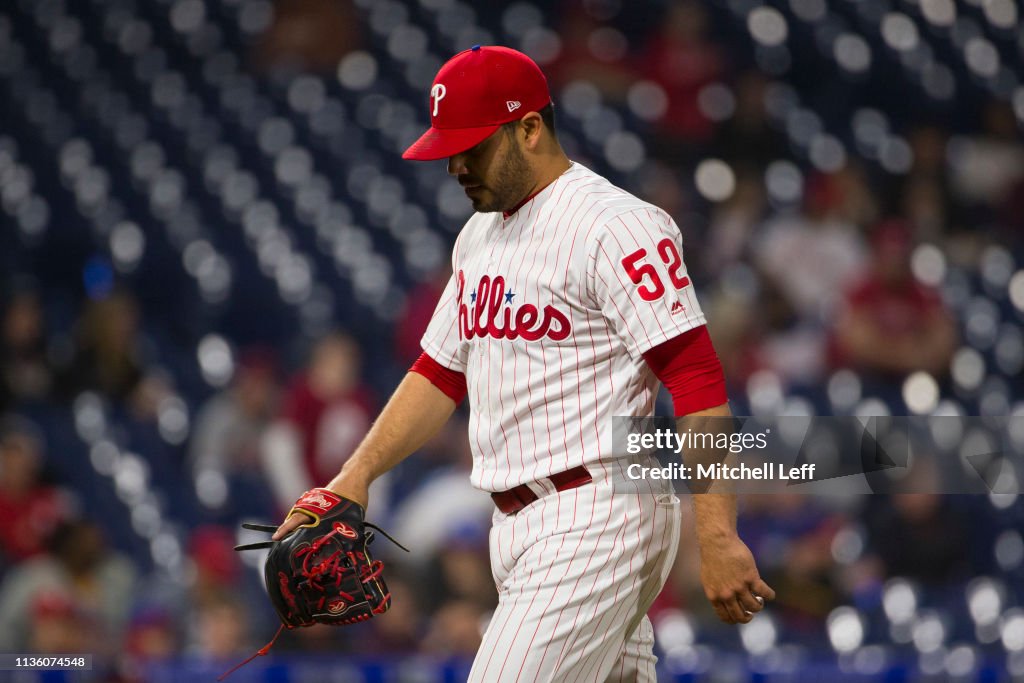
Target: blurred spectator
x=922, y=536
x=221, y=629
x=593, y=50
x=925, y=204
x=756, y=328
x=461, y=570
x=79, y=565
x=816, y=255
x=57, y=626
x=681, y=59
x=399, y=629
x=925, y=197
x=734, y=222
x=29, y=508
x=25, y=372
x=309, y=35
x=928, y=144
x=217, y=566
x=215, y=570
x=661, y=184
x=804, y=261
x=228, y=432
x=892, y=324
x=455, y=630
x=151, y=637
x=748, y=135
x=320, y=638
x=109, y=357
x=419, y=308
x=325, y=413
x=987, y=166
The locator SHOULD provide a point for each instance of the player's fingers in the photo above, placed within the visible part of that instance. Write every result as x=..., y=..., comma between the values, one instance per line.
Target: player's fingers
x=289, y=525
x=721, y=611
x=736, y=611
x=759, y=587
x=750, y=602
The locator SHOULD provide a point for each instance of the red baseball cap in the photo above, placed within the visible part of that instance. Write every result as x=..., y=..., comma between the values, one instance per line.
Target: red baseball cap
x=473, y=94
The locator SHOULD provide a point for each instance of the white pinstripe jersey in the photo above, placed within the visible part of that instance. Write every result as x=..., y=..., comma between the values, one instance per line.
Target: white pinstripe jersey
x=547, y=314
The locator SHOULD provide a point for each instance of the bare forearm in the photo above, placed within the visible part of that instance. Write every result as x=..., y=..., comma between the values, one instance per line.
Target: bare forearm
x=415, y=413
x=715, y=515
x=715, y=511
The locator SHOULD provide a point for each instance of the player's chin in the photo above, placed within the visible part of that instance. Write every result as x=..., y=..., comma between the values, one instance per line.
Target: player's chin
x=481, y=202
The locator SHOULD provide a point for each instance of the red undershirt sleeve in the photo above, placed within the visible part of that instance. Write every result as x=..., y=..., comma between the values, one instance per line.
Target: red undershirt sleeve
x=689, y=368
x=452, y=383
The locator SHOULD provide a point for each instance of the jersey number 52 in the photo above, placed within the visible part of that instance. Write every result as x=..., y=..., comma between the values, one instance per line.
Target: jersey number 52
x=637, y=271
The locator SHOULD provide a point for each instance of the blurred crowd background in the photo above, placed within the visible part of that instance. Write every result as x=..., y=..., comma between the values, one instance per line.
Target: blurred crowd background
x=215, y=268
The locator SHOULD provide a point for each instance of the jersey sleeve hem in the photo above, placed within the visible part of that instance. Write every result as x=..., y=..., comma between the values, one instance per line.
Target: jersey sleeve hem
x=450, y=382
x=648, y=343
x=447, y=361
x=691, y=371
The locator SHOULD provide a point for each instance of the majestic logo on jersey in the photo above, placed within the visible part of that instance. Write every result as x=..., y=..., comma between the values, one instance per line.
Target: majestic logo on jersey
x=437, y=93
x=490, y=313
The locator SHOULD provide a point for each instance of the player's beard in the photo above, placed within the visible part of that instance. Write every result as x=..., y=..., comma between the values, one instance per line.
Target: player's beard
x=510, y=184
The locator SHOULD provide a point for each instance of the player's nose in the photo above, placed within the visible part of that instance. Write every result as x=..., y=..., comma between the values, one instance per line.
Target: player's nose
x=457, y=164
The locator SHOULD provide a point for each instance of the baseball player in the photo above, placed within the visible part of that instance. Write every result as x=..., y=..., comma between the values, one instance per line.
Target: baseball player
x=568, y=304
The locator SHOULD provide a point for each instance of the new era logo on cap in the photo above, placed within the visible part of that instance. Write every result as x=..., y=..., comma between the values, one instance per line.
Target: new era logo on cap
x=473, y=94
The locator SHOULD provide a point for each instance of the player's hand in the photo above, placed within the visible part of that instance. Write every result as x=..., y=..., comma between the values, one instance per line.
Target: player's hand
x=731, y=581
x=344, y=486
x=294, y=521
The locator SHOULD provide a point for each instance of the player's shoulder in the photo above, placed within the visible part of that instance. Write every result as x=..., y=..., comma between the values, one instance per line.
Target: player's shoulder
x=614, y=209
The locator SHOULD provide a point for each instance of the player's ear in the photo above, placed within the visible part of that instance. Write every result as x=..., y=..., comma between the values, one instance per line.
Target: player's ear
x=533, y=129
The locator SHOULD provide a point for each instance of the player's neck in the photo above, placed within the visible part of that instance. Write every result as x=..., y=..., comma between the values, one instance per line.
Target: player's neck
x=551, y=171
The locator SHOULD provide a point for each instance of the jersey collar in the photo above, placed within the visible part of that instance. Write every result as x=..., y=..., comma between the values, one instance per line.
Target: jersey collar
x=508, y=214
x=511, y=212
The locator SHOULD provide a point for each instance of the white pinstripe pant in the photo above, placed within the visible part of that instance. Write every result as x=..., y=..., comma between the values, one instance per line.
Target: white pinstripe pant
x=576, y=573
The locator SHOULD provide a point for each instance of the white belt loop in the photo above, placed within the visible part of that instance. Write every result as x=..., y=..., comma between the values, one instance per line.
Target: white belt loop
x=542, y=487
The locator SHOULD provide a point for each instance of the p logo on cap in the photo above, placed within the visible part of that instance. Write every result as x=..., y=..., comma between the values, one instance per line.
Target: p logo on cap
x=437, y=93
x=482, y=88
